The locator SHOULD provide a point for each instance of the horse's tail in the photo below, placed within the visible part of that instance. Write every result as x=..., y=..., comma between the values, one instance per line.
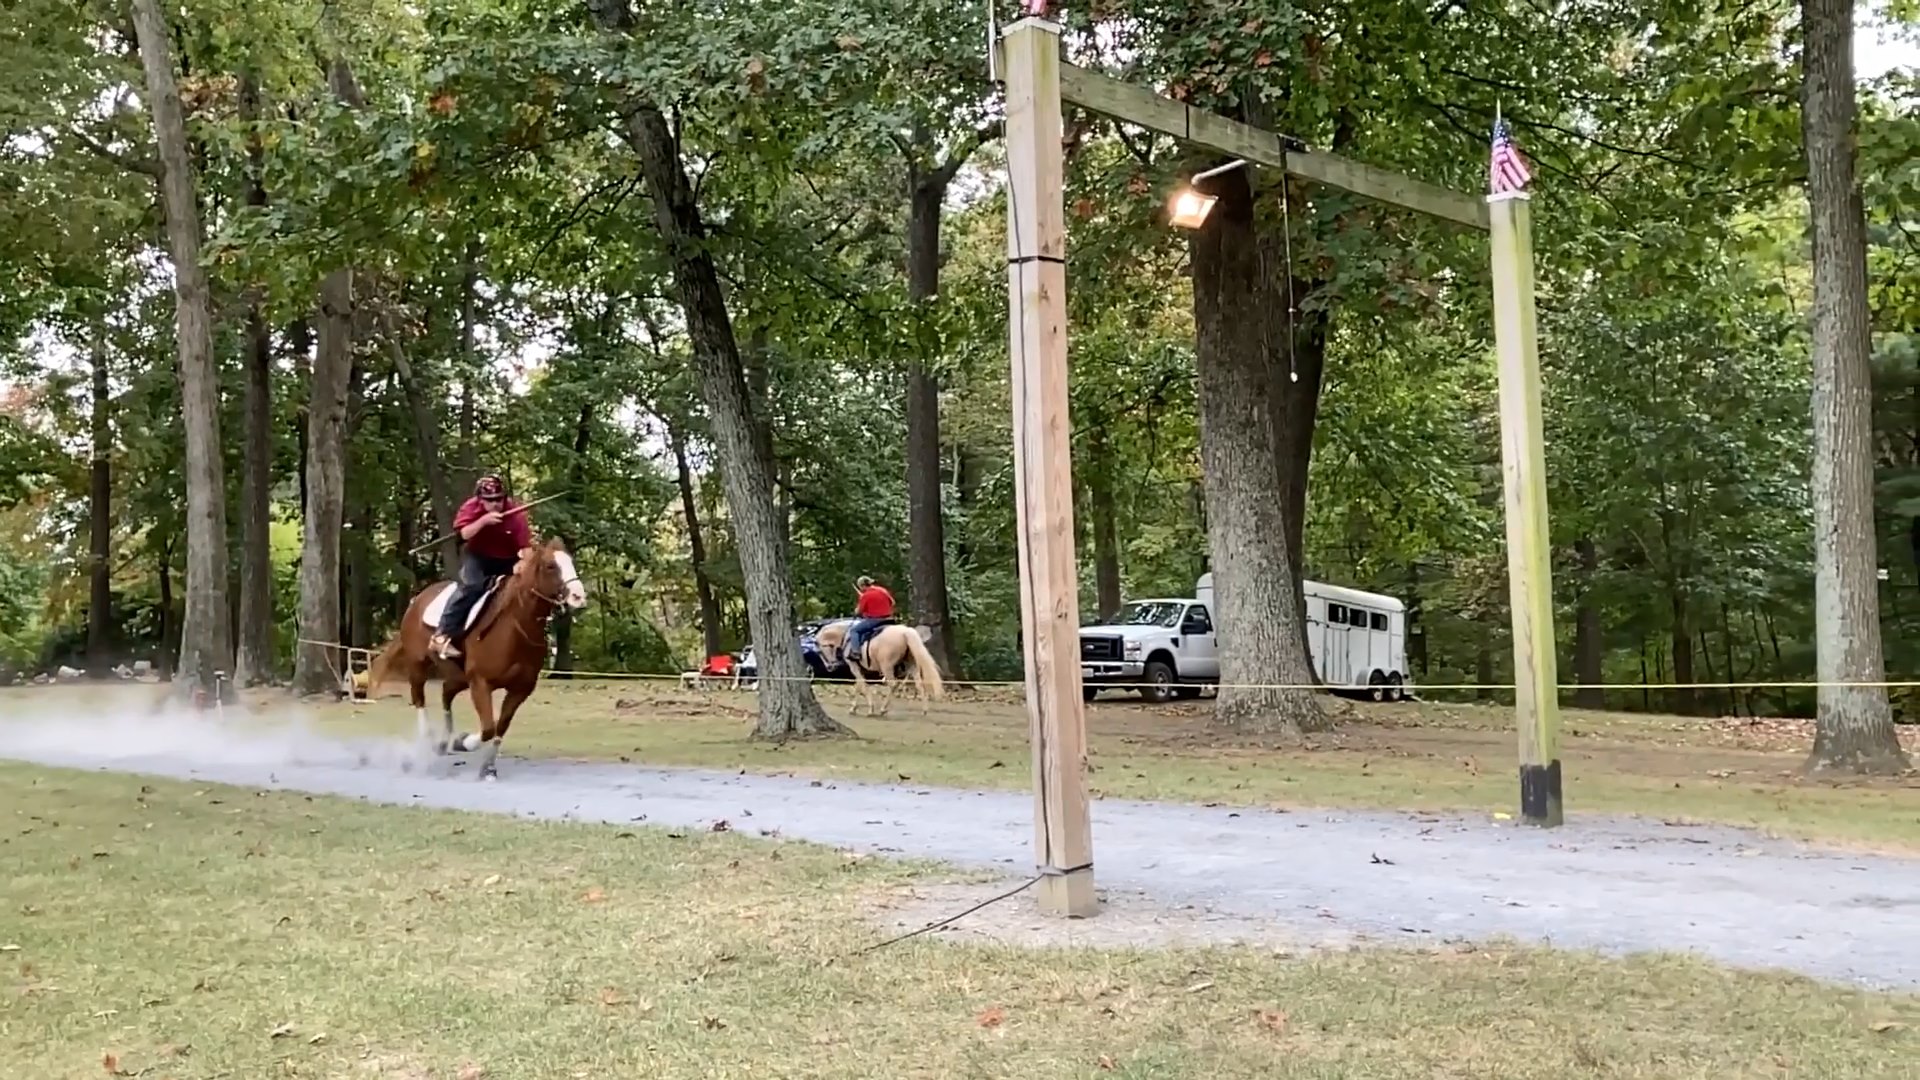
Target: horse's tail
x=925, y=671
x=380, y=665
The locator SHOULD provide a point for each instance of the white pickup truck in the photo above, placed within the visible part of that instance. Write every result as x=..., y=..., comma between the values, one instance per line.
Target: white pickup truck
x=1166, y=648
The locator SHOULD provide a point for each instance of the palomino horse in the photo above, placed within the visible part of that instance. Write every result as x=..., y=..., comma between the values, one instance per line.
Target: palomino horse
x=505, y=649
x=886, y=649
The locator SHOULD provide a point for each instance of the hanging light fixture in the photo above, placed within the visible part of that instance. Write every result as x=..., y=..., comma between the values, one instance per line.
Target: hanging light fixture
x=1190, y=205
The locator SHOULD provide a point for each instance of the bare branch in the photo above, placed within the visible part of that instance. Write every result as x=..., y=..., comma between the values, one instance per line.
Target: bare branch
x=144, y=165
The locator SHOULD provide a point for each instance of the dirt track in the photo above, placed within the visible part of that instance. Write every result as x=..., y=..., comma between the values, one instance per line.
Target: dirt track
x=1616, y=885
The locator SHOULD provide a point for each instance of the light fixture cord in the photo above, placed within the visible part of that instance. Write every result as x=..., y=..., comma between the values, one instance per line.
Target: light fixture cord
x=1286, y=238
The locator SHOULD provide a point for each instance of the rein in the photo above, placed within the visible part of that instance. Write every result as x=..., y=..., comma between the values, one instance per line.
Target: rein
x=540, y=616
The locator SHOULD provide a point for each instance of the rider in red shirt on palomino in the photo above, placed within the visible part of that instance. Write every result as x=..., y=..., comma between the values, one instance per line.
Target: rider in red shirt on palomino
x=874, y=609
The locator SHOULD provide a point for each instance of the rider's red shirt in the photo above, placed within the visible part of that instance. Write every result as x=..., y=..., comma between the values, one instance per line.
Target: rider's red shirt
x=502, y=541
x=875, y=603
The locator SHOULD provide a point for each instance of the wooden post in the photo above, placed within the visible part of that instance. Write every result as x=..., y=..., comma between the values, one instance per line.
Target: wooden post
x=1042, y=465
x=1523, y=454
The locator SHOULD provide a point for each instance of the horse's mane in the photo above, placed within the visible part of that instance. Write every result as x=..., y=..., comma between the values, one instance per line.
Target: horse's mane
x=518, y=583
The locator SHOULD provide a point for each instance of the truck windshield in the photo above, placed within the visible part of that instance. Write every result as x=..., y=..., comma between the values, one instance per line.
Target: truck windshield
x=1149, y=613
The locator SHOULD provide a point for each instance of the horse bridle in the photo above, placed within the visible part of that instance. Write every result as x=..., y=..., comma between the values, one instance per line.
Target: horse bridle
x=552, y=602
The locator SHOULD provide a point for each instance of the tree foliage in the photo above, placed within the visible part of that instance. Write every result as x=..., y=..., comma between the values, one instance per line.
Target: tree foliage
x=518, y=311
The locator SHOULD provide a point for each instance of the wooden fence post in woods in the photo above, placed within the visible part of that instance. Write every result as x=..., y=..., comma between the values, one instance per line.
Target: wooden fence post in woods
x=1037, y=81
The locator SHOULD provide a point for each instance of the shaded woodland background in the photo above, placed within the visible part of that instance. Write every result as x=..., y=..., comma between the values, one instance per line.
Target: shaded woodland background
x=438, y=229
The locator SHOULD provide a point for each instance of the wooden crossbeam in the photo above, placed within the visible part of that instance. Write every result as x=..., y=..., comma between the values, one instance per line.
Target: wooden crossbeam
x=1138, y=105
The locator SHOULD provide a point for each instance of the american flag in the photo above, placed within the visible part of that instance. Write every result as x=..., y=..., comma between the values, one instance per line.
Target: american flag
x=1508, y=170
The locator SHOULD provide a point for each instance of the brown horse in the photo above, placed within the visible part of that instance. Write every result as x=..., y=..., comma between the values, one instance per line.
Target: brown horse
x=505, y=649
x=886, y=649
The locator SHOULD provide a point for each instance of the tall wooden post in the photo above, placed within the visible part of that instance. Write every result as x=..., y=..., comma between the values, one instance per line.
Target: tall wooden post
x=1042, y=465
x=1523, y=455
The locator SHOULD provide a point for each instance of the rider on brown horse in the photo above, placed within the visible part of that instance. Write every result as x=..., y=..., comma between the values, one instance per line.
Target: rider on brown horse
x=493, y=529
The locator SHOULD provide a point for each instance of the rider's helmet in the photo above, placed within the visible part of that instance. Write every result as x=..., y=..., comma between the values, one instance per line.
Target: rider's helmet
x=489, y=487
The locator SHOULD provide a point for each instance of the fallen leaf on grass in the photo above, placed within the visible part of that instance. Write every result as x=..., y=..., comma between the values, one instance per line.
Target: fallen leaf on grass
x=1883, y=1027
x=1272, y=1019
x=281, y=1032
x=111, y=1062
x=316, y=1038
x=721, y=825
x=713, y=1023
x=9, y=947
x=991, y=1017
x=1106, y=1062
x=472, y=1072
x=491, y=881
x=611, y=997
x=594, y=895
x=1204, y=984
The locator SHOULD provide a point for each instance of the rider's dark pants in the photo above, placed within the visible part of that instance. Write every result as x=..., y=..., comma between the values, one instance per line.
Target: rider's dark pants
x=860, y=631
x=475, y=572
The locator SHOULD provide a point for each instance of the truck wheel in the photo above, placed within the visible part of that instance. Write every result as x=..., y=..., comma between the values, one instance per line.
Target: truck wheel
x=1159, y=680
x=1395, y=684
x=1088, y=693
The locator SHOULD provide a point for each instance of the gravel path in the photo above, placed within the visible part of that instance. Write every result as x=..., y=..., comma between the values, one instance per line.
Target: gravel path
x=1612, y=884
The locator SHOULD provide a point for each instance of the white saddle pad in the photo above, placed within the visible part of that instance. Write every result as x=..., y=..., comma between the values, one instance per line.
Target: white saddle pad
x=438, y=606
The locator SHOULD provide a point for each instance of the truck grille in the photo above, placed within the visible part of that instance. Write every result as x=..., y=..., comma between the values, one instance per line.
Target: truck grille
x=1099, y=648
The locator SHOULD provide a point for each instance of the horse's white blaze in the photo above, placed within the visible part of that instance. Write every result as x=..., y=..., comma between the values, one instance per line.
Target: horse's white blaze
x=576, y=592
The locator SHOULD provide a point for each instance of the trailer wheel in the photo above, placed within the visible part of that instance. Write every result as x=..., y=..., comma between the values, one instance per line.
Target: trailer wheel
x=1376, y=686
x=1395, y=687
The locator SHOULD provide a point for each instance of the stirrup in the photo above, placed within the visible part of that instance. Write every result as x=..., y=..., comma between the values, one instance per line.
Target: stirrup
x=444, y=647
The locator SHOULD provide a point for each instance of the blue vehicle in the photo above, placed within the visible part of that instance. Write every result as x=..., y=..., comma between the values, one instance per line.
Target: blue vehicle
x=808, y=636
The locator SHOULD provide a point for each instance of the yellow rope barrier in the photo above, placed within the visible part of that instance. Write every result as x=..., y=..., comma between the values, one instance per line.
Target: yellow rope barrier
x=639, y=676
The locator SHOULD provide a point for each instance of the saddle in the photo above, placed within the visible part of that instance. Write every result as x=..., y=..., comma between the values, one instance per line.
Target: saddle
x=855, y=651
x=438, y=605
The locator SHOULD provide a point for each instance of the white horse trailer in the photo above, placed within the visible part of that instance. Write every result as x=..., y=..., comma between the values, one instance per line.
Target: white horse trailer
x=1357, y=640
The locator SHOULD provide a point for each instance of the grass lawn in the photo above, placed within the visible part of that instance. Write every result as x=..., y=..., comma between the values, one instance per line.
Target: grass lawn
x=159, y=929
x=1411, y=755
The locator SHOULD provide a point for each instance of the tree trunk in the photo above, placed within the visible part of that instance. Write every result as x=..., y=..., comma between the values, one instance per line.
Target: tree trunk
x=469, y=291
x=1258, y=610
x=164, y=663
x=1853, y=731
x=326, y=485
x=1106, y=539
x=255, y=662
x=300, y=344
x=359, y=575
x=788, y=707
x=1680, y=639
x=696, y=542
x=1297, y=362
x=426, y=439
x=1588, y=648
x=206, y=641
x=326, y=470
x=926, y=535
x=100, y=514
